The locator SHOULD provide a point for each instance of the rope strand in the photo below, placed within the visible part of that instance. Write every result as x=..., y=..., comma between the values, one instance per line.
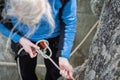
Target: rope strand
x=85, y=38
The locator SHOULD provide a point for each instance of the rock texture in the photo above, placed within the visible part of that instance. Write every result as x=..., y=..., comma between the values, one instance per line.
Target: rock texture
x=104, y=55
x=96, y=6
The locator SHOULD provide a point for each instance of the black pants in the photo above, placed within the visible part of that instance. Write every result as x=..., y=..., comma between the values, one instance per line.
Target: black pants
x=27, y=65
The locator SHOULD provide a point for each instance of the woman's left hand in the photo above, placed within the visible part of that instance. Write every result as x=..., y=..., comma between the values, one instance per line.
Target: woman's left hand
x=66, y=69
x=29, y=47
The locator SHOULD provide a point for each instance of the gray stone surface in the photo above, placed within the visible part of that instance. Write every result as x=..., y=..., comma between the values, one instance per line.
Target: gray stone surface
x=104, y=57
x=96, y=7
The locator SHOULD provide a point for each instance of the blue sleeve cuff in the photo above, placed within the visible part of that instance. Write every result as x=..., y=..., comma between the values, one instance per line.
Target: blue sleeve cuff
x=15, y=37
x=67, y=49
x=65, y=54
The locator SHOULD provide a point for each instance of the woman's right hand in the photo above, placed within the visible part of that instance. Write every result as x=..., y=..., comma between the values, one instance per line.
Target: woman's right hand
x=66, y=69
x=29, y=47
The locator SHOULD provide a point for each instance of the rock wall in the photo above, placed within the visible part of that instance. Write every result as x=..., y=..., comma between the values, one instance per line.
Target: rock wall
x=104, y=55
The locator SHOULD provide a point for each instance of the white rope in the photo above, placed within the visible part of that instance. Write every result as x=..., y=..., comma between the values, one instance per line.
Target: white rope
x=43, y=53
x=85, y=38
x=14, y=64
x=19, y=69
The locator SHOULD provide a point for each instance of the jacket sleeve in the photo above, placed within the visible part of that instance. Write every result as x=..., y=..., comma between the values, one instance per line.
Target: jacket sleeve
x=5, y=27
x=69, y=19
x=6, y=32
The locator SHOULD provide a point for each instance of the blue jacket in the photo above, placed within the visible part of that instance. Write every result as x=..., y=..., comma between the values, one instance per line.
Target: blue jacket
x=62, y=15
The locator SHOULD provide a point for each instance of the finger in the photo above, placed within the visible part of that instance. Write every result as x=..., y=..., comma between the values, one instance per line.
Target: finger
x=31, y=53
x=65, y=73
x=34, y=49
x=35, y=54
x=61, y=72
x=68, y=72
x=71, y=74
x=34, y=46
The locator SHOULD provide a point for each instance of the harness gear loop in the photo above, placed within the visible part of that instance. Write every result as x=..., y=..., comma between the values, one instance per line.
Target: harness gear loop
x=44, y=44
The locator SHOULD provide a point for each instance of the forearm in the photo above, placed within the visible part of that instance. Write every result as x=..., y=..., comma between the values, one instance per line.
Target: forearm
x=69, y=19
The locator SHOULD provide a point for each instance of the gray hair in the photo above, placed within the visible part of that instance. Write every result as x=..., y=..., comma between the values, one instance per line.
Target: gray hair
x=30, y=12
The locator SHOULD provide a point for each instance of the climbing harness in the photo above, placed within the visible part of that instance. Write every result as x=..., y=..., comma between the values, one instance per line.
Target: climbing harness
x=43, y=50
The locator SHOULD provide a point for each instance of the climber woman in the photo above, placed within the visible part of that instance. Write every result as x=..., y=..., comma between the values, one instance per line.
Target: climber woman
x=29, y=21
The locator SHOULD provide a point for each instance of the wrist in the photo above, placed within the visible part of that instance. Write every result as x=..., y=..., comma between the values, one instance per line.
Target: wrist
x=63, y=59
x=21, y=39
